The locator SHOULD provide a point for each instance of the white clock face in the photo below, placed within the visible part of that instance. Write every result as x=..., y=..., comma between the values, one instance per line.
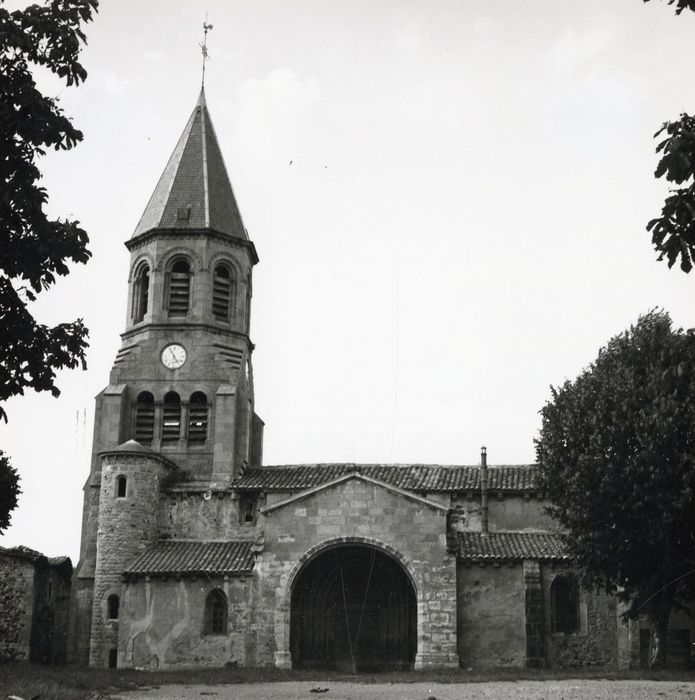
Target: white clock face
x=173, y=356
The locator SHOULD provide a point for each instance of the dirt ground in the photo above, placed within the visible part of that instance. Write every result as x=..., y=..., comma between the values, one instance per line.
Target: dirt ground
x=535, y=690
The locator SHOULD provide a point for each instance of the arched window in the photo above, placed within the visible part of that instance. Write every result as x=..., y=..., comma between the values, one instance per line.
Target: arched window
x=179, y=286
x=112, y=605
x=223, y=287
x=216, y=612
x=121, y=483
x=141, y=293
x=564, y=604
x=171, y=417
x=144, y=418
x=198, y=418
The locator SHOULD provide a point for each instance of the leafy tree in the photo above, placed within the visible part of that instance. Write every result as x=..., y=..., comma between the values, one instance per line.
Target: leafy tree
x=616, y=454
x=673, y=232
x=681, y=5
x=9, y=490
x=33, y=248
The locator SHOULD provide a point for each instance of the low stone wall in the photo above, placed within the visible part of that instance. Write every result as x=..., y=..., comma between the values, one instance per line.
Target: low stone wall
x=16, y=605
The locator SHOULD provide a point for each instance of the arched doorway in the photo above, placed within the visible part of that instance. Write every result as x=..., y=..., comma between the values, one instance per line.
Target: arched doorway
x=353, y=609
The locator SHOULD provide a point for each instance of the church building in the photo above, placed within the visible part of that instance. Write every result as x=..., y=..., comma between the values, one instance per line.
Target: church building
x=194, y=553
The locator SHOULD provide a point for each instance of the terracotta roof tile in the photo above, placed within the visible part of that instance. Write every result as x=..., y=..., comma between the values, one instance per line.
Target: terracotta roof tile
x=510, y=546
x=186, y=558
x=411, y=477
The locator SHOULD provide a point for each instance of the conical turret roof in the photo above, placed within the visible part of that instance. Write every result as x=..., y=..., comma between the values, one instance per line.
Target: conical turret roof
x=194, y=191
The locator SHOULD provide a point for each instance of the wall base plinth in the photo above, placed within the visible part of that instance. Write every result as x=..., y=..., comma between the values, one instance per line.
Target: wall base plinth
x=439, y=660
x=283, y=659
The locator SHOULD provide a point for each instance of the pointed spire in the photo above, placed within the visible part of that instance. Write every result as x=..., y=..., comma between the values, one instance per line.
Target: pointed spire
x=194, y=191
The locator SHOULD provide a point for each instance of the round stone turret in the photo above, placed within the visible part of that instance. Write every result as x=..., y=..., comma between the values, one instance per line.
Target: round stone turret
x=131, y=478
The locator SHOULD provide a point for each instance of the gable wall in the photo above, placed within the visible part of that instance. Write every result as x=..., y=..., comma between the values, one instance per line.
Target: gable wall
x=358, y=511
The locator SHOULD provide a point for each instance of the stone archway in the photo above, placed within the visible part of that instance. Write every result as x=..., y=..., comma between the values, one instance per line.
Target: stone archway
x=353, y=608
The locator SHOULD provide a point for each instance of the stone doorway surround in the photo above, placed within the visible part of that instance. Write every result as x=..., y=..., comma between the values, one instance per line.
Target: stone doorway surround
x=353, y=609
x=428, y=653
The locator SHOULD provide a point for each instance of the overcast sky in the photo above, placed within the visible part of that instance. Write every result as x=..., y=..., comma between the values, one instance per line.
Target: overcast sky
x=448, y=200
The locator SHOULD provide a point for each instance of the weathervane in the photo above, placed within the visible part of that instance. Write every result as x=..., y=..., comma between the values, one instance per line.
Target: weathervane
x=204, y=46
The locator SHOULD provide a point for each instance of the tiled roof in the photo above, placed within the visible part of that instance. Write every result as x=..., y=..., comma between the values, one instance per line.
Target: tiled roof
x=510, y=546
x=412, y=477
x=173, y=557
x=194, y=191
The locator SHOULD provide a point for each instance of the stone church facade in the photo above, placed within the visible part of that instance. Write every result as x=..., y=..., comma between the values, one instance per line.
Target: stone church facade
x=195, y=554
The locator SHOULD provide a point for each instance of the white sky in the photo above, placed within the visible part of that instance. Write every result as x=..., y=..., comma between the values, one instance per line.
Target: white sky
x=462, y=223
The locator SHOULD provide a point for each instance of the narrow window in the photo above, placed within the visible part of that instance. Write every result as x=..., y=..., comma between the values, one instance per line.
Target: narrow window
x=247, y=508
x=216, y=612
x=564, y=602
x=222, y=292
x=141, y=293
x=112, y=605
x=144, y=418
x=198, y=418
x=121, y=483
x=171, y=417
x=179, y=288
x=113, y=658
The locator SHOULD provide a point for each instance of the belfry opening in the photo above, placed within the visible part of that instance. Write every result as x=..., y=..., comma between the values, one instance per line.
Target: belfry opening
x=353, y=610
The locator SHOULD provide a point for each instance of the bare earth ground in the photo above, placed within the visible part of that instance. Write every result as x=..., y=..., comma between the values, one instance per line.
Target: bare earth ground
x=504, y=690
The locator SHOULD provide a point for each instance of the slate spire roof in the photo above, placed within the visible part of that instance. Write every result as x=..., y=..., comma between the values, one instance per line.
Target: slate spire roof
x=194, y=191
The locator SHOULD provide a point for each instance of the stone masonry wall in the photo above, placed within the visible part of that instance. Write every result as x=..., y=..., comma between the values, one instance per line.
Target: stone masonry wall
x=357, y=511
x=189, y=515
x=16, y=606
x=595, y=645
x=127, y=526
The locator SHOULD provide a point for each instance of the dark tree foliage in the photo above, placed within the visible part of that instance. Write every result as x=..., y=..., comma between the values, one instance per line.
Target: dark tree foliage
x=616, y=454
x=33, y=248
x=9, y=490
x=673, y=233
x=681, y=5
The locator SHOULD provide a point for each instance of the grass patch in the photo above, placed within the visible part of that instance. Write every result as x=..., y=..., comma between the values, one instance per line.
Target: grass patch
x=78, y=683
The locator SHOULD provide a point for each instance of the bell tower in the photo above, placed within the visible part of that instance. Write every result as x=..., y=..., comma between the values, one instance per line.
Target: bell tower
x=186, y=352
x=183, y=372
x=181, y=386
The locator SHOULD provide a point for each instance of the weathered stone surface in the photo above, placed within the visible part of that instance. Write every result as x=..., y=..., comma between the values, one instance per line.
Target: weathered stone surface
x=34, y=605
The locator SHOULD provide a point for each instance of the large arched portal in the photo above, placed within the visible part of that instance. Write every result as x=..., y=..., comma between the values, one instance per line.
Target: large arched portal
x=353, y=609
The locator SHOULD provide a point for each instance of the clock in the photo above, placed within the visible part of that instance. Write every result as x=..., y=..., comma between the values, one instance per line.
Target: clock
x=173, y=356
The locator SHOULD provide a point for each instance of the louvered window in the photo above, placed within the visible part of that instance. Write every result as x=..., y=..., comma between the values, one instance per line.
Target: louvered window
x=141, y=293
x=198, y=418
x=144, y=418
x=179, y=288
x=171, y=417
x=222, y=292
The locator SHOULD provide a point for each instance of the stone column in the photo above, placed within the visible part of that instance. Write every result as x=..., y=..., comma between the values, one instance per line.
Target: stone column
x=533, y=595
x=436, y=617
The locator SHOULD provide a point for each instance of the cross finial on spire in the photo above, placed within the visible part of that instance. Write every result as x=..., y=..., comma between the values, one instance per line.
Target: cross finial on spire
x=204, y=46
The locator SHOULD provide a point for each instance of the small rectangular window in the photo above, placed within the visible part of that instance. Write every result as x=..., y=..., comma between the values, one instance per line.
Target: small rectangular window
x=247, y=508
x=183, y=214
